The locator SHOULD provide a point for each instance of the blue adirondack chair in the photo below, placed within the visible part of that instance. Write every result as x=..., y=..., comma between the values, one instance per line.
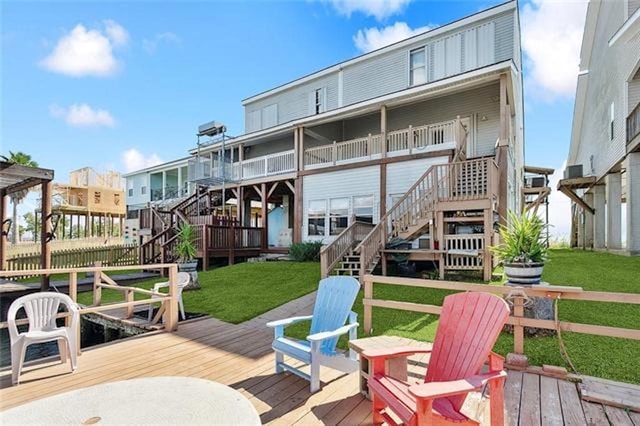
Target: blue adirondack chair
x=332, y=308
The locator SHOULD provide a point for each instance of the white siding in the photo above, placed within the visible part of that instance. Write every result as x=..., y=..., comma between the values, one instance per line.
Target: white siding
x=400, y=176
x=610, y=67
x=137, y=182
x=269, y=116
x=339, y=184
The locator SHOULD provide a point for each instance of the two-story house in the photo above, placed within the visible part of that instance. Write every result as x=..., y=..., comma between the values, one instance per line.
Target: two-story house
x=603, y=177
x=421, y=140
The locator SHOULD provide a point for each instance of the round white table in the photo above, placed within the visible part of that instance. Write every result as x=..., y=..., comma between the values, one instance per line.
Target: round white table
x=146, y=401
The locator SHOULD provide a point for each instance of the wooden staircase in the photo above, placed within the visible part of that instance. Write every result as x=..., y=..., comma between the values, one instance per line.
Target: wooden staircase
x=445, y=195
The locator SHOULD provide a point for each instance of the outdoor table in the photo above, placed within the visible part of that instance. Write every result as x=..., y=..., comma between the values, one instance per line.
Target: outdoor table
x=151, y=400
x=396, y=367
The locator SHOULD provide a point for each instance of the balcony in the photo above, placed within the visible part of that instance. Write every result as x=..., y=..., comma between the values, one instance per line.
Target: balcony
x=412, y=140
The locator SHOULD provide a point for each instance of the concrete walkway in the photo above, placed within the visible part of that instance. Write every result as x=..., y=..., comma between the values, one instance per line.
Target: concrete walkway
x=297, y=307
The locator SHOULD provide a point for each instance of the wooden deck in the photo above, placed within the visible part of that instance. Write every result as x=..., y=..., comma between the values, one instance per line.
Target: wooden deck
x=240, y=356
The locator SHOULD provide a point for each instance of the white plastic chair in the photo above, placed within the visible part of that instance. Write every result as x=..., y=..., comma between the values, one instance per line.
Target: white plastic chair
x=183, y=280
x=42, y=310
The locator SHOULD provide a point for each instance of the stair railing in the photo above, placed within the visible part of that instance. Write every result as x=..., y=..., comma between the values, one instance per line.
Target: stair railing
x=331, y=254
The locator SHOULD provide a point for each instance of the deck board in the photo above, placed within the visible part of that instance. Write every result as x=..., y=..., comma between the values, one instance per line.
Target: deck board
x=240, y=356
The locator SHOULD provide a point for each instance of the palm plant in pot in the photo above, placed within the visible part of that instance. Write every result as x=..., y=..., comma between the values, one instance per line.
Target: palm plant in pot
x=522, y=248
x=186, y=251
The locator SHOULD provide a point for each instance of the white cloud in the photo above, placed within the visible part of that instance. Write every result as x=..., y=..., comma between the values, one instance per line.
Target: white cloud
x=374, y=38
x=380, y=9
x=82, y=115
x=87, y=52
x=551, y=41
x=134, y=160
x=559, y=208
x=116, y=33
x=150, y=45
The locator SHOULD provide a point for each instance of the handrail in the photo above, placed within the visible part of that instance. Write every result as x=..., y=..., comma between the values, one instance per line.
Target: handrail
x=518, y=294
x=331, y=254
x=169, y=301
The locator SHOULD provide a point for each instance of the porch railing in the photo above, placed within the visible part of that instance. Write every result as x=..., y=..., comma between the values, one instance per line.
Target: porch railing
x=331, y=254
x=267, y=165
x=421, y=137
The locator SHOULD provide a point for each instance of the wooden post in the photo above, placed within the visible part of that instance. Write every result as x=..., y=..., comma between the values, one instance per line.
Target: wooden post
x=410, y=139
x=232, y=243
x=45, y=248
x=368, y=295
x=383, y=189
x=334, y=152
x=3, y=236
x=296, y=150
x=487, y=262
x=97, y=289
x=383, y=130
x=171, y=313
x=129, y=297
x=298, y=210
x=206, y=242
x=265, y=219
x=301, y=148
x=73, y=286
x=503, y=150
x=518, y=330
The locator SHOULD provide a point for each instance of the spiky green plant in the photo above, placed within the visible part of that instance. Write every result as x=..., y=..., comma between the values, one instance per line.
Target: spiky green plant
x=521, y=241
x=186, y=242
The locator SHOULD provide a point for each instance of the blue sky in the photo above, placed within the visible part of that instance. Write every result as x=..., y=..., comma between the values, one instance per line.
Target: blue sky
x=123, y=85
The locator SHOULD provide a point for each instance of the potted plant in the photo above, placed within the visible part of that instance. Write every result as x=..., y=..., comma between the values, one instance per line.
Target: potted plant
x=522, y=248
x=186, y=251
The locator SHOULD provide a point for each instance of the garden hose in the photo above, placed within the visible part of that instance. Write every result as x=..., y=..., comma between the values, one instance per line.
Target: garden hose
x=563, y=349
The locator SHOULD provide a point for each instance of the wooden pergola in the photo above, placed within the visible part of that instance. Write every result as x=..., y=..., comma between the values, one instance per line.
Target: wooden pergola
x=15, y=178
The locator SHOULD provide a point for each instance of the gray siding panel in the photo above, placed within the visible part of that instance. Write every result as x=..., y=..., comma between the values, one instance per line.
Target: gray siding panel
x=633, y=98
x=633, y=6
x=387, y=73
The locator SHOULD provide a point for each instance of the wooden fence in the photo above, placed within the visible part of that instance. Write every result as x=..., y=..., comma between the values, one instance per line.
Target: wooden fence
x=117, y=255
x=168, y=302
x=517, y=294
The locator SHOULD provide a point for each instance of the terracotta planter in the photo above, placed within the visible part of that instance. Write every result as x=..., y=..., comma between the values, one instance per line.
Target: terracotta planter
x=523, y=273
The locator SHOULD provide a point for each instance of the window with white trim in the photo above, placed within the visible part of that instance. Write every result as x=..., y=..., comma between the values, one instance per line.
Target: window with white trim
x=143, y=190
x=318, y=101
x=363, y=208
x=417, y=67
x=338, y=215
x=316, y=217
x=612, y=116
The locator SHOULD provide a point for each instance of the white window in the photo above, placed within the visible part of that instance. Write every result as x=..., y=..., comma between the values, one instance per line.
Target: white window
x=143, y=190
x=130, y=189
x=417, y=67
x=612, y=120
x=363, y=208
x=339, y=215
x=318, y=101
x=316, y=217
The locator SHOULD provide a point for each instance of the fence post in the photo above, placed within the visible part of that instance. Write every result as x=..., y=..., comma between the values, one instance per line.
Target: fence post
x=171, y=312
x=97, y=289
x=518, y=330
x=368, y=295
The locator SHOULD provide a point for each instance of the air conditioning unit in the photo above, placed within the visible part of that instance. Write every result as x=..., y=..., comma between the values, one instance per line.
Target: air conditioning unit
x=211, y=128
x=574, y=171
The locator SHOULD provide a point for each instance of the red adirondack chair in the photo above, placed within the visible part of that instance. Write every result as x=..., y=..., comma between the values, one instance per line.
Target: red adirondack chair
x=468, y=329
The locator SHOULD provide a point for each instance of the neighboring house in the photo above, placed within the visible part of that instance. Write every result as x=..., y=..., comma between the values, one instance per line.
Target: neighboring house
x=159, y=185
x=603, y=174
x=91, y=204
x=423, y=138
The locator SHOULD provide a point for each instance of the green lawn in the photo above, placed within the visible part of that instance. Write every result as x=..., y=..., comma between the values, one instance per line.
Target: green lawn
x=616, y=359
x=239, y=292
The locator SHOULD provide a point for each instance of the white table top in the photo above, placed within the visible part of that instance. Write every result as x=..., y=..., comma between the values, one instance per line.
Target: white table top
x=145, y=401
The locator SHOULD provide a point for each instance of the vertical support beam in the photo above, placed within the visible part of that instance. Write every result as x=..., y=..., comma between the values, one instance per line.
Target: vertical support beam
x=240, y=204
x=164, y=184
x=503, y=151
x=588, y=222
x=368, y=317
x=301, y=147
x=614, y=211
x=487, y=265
x=383, y=189
x=383, y=130
x=265, y=219
x=296, y=150
x=518, y=330
x=45, y=248
x=633, y=203
x=3, y=236
x=599, y=222
x=298, y=211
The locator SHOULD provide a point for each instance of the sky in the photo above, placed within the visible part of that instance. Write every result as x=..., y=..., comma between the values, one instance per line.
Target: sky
x=124, y=85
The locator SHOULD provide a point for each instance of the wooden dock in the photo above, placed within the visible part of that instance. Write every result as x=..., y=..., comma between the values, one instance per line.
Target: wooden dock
x=240, y=356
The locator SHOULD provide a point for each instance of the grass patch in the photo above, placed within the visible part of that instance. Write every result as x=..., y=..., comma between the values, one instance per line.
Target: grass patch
x=239, y=292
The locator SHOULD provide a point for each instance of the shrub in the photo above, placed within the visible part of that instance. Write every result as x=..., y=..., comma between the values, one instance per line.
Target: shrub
x=305, y=252
x=522, y=240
